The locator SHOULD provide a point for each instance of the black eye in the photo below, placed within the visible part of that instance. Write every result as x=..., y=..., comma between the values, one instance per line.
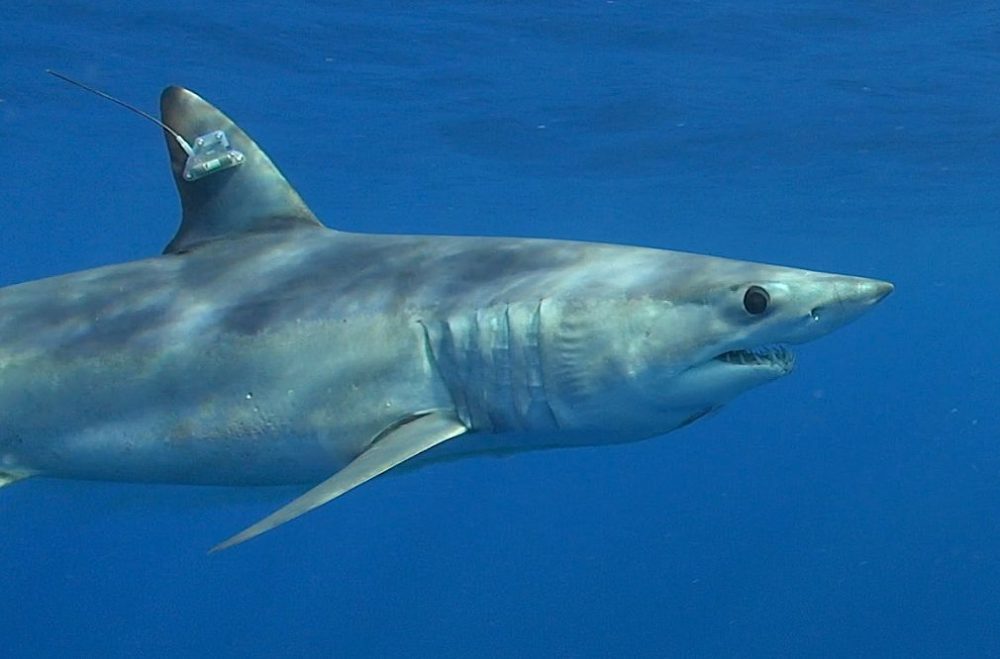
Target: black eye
x=755, y=300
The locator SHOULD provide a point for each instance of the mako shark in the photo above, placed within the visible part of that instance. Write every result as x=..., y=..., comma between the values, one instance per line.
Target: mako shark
x=263, y=348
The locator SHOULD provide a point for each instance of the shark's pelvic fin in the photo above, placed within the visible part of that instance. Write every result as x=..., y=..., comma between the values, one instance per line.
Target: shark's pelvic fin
x=251, y=197
x=396, y=444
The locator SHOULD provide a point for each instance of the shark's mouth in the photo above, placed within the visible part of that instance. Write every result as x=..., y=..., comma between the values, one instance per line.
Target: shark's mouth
x=769, y=356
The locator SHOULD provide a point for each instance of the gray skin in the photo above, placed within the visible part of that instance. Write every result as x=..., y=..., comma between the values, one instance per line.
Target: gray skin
x=264, y=348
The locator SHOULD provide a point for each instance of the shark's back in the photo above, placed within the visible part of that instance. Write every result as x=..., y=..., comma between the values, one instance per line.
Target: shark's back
x=250, y=283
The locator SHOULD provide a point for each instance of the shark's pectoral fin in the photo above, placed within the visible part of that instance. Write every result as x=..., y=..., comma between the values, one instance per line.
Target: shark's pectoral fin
x=396, y=444
x=8, y=477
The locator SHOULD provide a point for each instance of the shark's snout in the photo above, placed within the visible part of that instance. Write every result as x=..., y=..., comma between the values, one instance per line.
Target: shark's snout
x=862, y=291
x=836, y=301
x=882, y=289
x=851, y=297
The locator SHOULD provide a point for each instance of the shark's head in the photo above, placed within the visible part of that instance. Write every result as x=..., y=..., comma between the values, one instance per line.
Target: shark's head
x=659, y=360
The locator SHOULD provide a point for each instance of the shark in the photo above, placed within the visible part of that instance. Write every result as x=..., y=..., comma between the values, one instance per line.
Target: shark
x=263, y=348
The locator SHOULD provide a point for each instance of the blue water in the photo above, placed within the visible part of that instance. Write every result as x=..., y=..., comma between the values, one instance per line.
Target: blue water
x=848, y=510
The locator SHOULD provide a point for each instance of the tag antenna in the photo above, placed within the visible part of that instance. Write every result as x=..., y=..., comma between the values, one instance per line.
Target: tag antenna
x=180, y=140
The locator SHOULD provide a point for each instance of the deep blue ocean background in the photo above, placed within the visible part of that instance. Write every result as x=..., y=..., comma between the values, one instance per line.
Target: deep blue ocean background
x=852, y=509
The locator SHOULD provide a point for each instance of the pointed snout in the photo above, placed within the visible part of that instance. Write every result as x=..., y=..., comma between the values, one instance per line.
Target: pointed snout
x=837, y=300
x=859, y=291
x=882, y=288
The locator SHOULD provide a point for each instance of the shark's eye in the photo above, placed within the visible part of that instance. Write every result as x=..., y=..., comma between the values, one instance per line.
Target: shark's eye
x=755, y=300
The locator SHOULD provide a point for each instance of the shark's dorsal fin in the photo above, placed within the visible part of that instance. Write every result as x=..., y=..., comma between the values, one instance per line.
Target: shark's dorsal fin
x=396, y=444
x=252, y=197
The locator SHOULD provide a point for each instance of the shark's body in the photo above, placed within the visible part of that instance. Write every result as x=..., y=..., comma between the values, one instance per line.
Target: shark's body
x=264, y=348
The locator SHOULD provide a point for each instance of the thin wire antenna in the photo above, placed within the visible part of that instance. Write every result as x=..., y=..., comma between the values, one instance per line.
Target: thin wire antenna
x=180, y=140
